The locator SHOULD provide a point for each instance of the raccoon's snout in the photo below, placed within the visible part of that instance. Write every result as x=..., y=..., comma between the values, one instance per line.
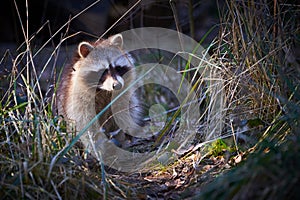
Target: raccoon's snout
x=112, y=83
x=117, y=85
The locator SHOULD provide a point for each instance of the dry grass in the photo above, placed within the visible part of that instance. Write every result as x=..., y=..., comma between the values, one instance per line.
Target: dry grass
x=257, y=49
x=260, y=73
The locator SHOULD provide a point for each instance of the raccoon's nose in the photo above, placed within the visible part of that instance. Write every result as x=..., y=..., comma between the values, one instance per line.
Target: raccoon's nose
x=117, y=85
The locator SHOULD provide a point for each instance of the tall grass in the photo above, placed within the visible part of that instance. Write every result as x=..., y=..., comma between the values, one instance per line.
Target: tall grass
x=260, y=74
x=32, y=136
x=257, y=49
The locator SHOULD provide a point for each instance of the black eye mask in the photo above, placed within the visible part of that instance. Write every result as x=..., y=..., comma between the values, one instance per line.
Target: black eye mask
x=118, y=70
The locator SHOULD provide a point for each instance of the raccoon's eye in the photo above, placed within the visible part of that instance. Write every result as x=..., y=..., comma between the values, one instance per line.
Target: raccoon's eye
x=121, y=70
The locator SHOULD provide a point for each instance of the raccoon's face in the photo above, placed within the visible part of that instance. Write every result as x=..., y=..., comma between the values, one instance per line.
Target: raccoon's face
x=103, y=65
x=112, y=77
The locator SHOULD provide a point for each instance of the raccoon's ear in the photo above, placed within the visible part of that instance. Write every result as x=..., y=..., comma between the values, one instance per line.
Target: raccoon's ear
x=116, y=40
x=84, y=48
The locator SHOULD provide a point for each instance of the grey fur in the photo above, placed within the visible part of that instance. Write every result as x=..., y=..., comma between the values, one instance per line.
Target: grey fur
x=79, y=96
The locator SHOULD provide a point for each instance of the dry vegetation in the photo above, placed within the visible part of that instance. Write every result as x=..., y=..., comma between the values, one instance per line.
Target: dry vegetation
x=258, y=159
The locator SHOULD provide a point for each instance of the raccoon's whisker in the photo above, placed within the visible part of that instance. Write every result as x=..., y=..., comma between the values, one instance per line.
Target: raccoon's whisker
x=93, y=87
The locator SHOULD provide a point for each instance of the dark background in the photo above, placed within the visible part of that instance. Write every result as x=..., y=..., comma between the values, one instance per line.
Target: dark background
x=48, y=16
x=49, y=23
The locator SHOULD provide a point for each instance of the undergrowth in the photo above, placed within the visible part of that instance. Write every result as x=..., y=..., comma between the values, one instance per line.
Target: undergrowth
x=255, y=156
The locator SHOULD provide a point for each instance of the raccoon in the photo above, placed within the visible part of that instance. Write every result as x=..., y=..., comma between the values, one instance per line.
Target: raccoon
x=86, y=85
